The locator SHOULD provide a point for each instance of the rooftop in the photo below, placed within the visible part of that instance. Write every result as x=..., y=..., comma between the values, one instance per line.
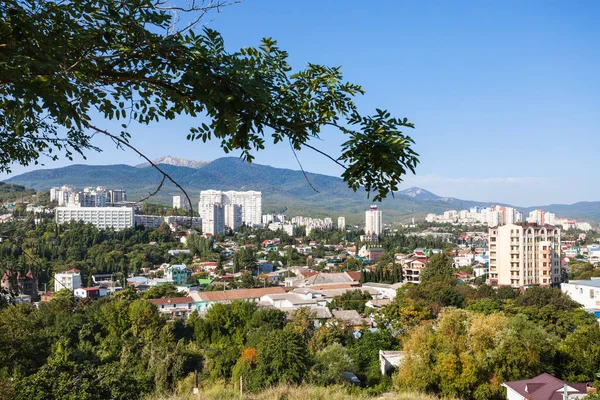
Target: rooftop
x=172, y=300
x=545, y=387
x=239, y=294
x=590, y=283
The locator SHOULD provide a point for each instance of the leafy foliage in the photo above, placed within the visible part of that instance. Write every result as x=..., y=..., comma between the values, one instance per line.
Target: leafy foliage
x=126, y=61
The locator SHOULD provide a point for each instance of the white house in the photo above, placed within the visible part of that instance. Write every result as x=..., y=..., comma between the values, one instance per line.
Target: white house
x=70, y=280
x=175, y=307
x=479, y=271
x=586, y=293
x=544, y=387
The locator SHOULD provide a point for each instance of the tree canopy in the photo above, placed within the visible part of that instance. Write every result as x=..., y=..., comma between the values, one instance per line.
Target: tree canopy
x=69, y=65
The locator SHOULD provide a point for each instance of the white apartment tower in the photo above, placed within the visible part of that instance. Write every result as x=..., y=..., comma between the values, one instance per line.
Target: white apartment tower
x=213, y=219
x=250, y=203
x=341, y=223
x=181, y=202
x=233, y=216
x=374, y=222
x=524, y=254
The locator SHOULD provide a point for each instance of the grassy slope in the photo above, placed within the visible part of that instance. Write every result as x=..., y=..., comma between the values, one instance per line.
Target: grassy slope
x=304, y=392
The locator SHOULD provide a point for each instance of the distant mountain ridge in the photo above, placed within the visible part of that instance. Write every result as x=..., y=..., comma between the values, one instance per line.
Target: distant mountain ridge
x=177, y=161
x=419, y=193
x=284, y=190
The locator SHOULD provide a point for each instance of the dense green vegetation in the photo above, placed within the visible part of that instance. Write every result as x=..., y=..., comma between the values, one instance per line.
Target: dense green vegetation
x=11, y=192
x=47, y=248
x=460, y=341
x=121, y=348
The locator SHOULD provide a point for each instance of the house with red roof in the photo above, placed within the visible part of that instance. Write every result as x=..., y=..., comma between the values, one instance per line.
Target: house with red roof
x=412, y=267
x=545, y=387
x=93, y=292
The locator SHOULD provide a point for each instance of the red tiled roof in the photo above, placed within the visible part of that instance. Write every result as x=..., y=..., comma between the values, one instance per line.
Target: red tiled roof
x=335, y=286
x=73, y=270
x=354, y=275
x=172, y=300
x=544, y=387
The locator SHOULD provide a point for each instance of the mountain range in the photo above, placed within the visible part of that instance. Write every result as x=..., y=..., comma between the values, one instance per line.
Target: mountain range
x=284, y=190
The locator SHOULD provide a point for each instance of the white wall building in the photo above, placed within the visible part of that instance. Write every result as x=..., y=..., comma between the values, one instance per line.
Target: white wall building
x=70, y=280
x=341, y=225
x=373, y=221
x=149, y=221
x=181, y=202
x=233, y=216
x=250, y=203
x=586, y=293
x=213, y=219
x=102, y=217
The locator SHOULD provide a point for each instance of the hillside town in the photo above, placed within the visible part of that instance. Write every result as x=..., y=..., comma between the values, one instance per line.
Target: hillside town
x=342, y=274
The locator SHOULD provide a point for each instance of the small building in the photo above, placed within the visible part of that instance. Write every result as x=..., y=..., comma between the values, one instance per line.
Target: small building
x=388, y=360
x=174, y=307
x=585, y=292
x=21, y=284
x=69, y=280
x=177, y=274
x=544, y=387
x=204, y=300
x=177, y=253
x=351, y=319
x=93, y=292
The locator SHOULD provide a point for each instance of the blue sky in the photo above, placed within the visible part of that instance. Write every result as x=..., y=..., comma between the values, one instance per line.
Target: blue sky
x=505, y=95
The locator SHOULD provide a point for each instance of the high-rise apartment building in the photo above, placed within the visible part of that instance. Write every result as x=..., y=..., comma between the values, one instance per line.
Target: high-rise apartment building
x=116, y=196
x=67, y=196
x=524, y=254
x=341, y=223
x=89, y=198
x=374, y=221
x=181, y=202
x=61, y=194
x=541, y=217
x=213, y=219
x=233, y=216
x=250, y=203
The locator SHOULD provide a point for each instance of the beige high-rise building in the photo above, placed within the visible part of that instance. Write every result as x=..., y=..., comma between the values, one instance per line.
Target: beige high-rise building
x=374, y=221
x=524, y=254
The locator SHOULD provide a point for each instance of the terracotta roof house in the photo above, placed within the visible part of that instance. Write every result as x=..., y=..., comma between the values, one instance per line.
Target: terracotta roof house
x=544, y=387
x=206, y=299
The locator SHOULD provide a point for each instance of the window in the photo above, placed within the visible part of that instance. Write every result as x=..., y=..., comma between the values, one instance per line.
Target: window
x=591, y=293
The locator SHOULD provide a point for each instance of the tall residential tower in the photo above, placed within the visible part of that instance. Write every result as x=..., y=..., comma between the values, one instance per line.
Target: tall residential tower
x=524, y=254
x=374, y=223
